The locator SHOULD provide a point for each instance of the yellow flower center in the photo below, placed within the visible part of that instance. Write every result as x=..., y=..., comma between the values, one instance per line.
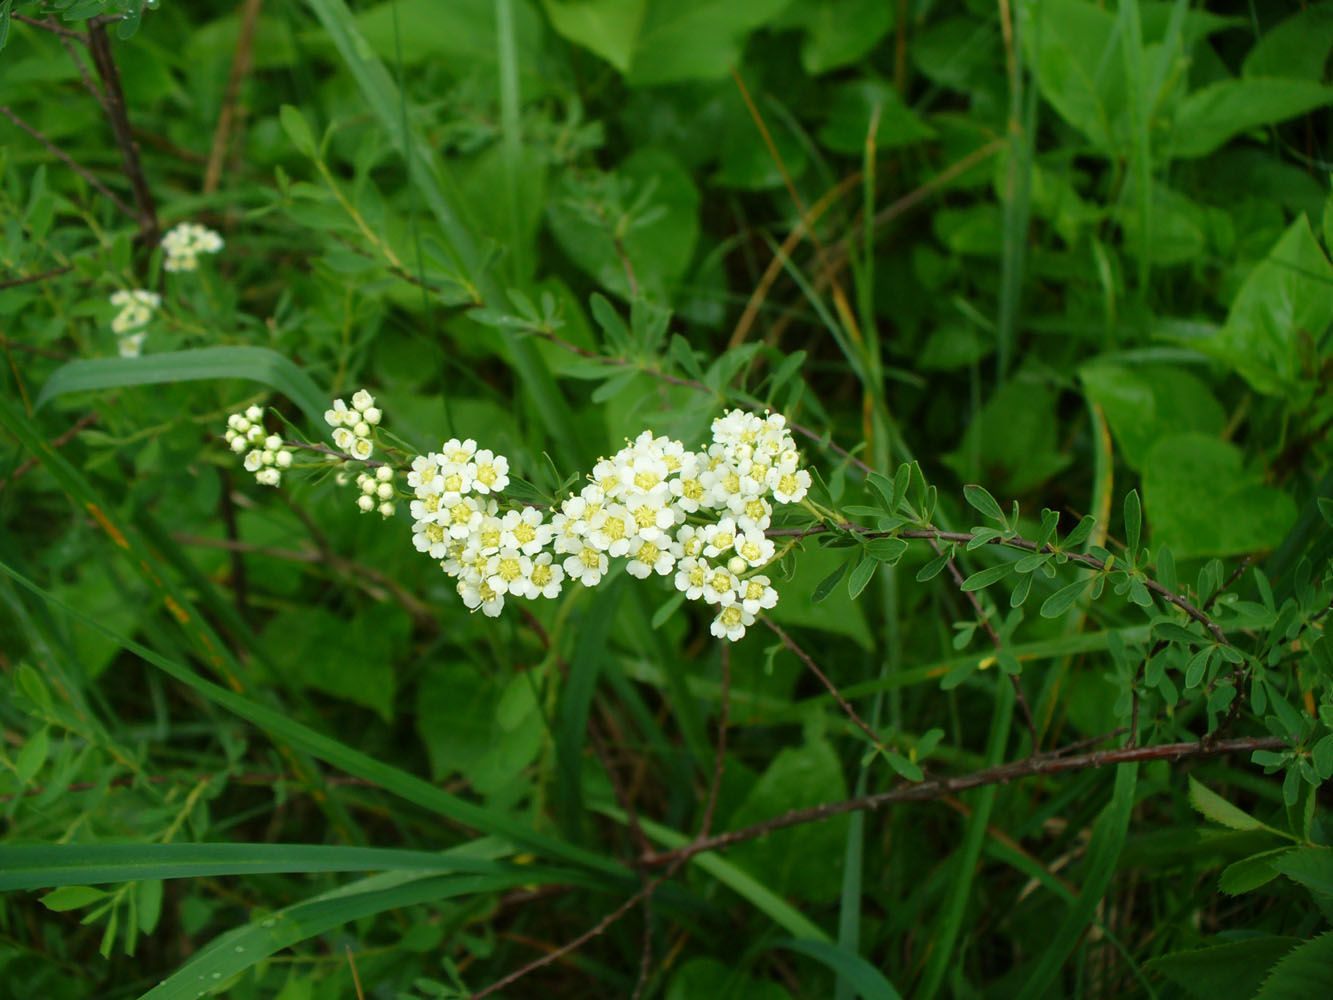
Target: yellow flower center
x=722, y=581
x=731, y=615
x=590, y=557
x=453, y=483
x=509, y=570
x=649, y=553
x=486, y=474
x=645, y=516
x=524, y=532
x=460, y=513
x=541, y=574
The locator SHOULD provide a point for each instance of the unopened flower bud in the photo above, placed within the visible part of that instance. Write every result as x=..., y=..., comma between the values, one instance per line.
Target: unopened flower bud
x=366, y=503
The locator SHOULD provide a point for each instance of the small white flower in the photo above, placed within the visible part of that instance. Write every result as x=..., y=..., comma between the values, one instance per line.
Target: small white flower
x=254, y=461
x=731, y=622
x=587, y=566
x=754, y=548
x=372, y=415
x=647, y=557
x=492, y=473
x=612, y=529
x=384, y=473
x=720, y=586
x=545, y=578
x=239, y=444
x=361, y=448
x=387, y=509
x=131, y=346
x=384, y=491
x=365, y=502
x=254, y=413
x=183, y=244
x=268, y=477
x=284, y=459
x=508, y=570
x=719, y=537
x=691, y=577
x=757, y=594
x=343, y=439
x=525, y=530
x=788, y=484
x=362, y=400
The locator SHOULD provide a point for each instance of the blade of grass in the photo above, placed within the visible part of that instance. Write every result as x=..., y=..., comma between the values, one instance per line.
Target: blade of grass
x=1108, y=837
x=45, y=866
x=1140, y=113
x=278, y=726
x=235, y=951
x=510, y=134
x=447, y=205
x=258, y=364
x=950, y=921
x=850, y=967
x=1022, y=125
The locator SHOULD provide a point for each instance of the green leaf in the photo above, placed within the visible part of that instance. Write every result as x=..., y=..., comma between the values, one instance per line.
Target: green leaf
x=257, y=364
x=1250, y=873
x=903, y=767
x=983, y=578
x=1311, y=867
x=979, y=498
x=1284, y=306
x=1219, y=810
x=933, y=568
x=827, y=584
x=803, y=861
x=694, y=39
x=887, y=550
x=1201, y=501
x=1014, y=435
x=1233, y=970
x=1210, y=116
x=1304, y=972
x=1297, y=48
x=837, y=32
x=297, y=129
x=868, y=981
x=1063, y=599
x=1133, y=523
x=72, y=897
x=861, y=575
x=608, y=28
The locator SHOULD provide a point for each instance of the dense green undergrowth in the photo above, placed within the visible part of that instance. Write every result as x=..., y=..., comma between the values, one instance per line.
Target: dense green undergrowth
x=1042, y=288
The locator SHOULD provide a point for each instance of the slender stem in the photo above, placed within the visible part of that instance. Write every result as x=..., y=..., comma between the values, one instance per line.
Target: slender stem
x=69, y=161
x=832, y=689
x=936, y=788
x=100, y=47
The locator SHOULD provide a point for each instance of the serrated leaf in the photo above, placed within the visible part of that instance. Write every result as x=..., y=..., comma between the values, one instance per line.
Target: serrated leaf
x=1311, y=867
x=1233, y=970
x=1304, y=972
x=1219, y=810
x=1063, y=599
x=1250, y=873
x=980, y=499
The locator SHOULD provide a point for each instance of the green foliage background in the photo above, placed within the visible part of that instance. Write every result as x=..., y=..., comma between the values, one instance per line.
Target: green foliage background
x=1071, y=252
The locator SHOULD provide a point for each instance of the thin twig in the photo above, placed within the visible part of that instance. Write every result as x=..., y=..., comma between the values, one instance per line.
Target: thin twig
x=984, y=619
x=832, y=689
x=51, y=26
x=100, y=47
x=29, y=279
x=69, y=161
x=240, y=68
x=935, y=788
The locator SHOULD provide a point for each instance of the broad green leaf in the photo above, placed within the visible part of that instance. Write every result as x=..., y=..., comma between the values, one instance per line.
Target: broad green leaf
x=803, y=861
x=258, y=364
x=1297, y=48
x=983, y=578
x=1201, y=502
x=853, y=106
x=1143, y=404
x=1068, y=45
x=1209, y=117
x=297, y=129
x=1250, y=873
x=837, y=32
x=1312, y=867
x=1012, y=440
x=609, y=28
x=1233, y=970
x=366, y=648
x=861, y=575
x=1063, y=599
x=459, y=34
x=695, y=39
x=1303, y=973
x=1284, y=307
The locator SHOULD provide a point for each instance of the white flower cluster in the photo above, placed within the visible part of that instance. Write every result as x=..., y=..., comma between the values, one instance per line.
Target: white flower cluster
x=353, y=427
x=183, y=244
x=136, y=309
x=266, y=457
x=377, y=491
x=696, y=517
